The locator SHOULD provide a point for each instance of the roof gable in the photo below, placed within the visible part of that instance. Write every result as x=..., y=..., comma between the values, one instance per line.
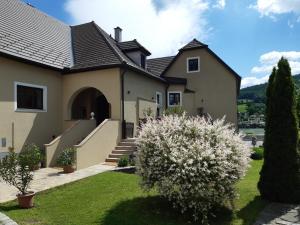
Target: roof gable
x=134, y=45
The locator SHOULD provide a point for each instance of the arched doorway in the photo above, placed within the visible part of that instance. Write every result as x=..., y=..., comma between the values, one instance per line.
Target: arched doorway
x=87, y=101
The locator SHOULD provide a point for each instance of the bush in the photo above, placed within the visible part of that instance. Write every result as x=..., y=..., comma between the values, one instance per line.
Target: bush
x=193, y=162
x=14, y=171
x=177, y=110
x=258, y=153
x=31, y=156
x=67, y=157
x=123, y=161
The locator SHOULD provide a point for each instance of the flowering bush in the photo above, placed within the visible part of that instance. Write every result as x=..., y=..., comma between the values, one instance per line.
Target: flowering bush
x=193, y=162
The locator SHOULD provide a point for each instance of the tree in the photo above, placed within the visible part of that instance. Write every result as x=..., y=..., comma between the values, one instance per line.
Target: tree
x=280, y=174
x=298, y=107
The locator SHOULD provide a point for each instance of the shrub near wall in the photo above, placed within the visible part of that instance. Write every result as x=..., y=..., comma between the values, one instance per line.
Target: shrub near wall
x=192, y=162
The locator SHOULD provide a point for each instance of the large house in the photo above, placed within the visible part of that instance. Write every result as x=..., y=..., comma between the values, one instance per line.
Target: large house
x=64, y=86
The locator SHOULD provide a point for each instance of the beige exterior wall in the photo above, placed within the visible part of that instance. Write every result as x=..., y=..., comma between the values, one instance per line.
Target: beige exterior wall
x=215, y=87
x=140, y=94
x=106, y=81
x=29, y=127
x=96, y=147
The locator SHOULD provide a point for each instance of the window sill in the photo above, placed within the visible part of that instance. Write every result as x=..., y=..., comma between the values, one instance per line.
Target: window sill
x=31, y=110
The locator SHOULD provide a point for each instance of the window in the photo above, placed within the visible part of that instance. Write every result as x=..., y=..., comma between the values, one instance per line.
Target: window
x=143, y=61
x=158, y=103
x=193, y=64
x=30, y=97
x=174, y=98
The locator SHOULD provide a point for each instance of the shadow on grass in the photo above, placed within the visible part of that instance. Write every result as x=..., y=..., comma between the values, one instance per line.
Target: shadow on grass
x=154, y=210
x=251, y=211
x=8, y=207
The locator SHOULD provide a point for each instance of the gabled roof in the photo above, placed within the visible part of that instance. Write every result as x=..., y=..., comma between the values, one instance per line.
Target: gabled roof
x=134, y=45
x=158, y=65
x=90, y=48
x=193, y=45
x=32, y=35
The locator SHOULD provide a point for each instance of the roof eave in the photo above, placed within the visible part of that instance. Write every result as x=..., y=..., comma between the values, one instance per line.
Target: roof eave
x=90, y=68
x=30, y=62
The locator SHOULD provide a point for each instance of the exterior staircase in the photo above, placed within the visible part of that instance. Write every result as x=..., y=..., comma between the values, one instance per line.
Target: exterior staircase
x=125, y=147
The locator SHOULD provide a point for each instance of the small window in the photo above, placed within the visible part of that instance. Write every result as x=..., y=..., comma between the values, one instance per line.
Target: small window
x=30, y=97
x=158, y=103
x=143, y=61
x=174, y=99
x=193, y=64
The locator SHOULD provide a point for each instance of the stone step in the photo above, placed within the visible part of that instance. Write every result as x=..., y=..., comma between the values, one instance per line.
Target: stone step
x=126, y=143
x=127, y=152
x=129, y=140
x=113, y=160
x=132, y=148
x=114, y=155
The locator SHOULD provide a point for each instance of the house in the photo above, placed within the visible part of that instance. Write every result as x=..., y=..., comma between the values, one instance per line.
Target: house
x=64, y=86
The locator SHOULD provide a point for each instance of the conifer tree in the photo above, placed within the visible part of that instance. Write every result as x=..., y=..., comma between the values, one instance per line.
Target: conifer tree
x=280, y=174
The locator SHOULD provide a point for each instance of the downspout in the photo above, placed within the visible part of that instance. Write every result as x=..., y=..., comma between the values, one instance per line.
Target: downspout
x=122, y=103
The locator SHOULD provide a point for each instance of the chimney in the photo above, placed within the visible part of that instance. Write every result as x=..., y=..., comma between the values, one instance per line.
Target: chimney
x=118, y=34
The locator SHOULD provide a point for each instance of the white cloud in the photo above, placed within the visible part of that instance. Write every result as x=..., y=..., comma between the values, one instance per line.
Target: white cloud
x=162, y=31
x=267, y=61
x=250, y=81
x=220, y=4
x=273, y=7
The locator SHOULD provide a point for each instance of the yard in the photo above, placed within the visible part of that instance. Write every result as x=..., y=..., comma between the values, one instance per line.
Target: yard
x=115, y=198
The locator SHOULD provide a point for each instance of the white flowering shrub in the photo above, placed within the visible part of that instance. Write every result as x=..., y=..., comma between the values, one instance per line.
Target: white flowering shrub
x=193, y=162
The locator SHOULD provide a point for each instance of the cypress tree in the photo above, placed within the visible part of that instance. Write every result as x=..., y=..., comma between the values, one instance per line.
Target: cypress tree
x=298, y=107
x=280, y=174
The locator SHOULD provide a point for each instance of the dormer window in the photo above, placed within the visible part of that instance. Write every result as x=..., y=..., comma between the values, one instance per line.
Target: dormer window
x=143, y=61
x=193, y=64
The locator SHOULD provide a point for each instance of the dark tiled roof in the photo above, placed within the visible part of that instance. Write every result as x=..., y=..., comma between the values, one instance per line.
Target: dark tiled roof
x=193, y=44
x=133, y=45
x=90, y=47
x=158, y=65
x=32, y=35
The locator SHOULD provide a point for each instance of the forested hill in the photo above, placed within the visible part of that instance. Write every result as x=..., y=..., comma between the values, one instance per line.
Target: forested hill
x=257, y=92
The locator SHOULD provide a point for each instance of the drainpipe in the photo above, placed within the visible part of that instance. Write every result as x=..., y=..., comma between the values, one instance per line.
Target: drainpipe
x=122, y=102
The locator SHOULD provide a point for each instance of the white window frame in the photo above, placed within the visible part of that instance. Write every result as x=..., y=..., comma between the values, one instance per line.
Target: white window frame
x=160, y=94
x=187, y=64
x=174, y=92
x=34, y=86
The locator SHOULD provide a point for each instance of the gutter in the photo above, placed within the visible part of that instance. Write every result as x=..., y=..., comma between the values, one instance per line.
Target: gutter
x=122, y=101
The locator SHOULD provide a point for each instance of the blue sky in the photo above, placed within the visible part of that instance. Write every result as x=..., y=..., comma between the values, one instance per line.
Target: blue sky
x=249, y=35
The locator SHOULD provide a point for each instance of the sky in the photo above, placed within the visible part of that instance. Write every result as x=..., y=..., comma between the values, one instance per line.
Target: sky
x=249, y=35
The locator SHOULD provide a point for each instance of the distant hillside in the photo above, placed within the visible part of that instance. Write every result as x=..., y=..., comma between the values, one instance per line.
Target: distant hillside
x=257, y=92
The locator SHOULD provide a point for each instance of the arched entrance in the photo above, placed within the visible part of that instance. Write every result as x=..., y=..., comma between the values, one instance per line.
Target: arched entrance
x=87, y=101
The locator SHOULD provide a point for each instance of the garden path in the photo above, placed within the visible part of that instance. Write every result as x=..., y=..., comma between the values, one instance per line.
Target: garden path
x=279, y=214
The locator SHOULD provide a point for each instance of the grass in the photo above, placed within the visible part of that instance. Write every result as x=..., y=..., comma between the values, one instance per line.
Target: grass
x=242, y=108
x=115, y=198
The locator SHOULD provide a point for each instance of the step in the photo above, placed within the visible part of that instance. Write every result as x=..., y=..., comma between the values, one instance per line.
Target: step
x=126, y=152
x=129, y=140
x=126, y=143
x=132, y=148
x=114, y=160
x=114, y=155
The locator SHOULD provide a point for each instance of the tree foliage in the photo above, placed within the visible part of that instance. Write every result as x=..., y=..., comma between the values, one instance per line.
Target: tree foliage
x=280, y=174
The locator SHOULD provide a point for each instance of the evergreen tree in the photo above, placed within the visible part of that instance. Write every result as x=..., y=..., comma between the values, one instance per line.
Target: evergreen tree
x=280, y=174
x=298, y=107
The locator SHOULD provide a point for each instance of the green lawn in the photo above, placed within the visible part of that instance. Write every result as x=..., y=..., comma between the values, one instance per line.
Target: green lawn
x=114, y=198
x=242, y=108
